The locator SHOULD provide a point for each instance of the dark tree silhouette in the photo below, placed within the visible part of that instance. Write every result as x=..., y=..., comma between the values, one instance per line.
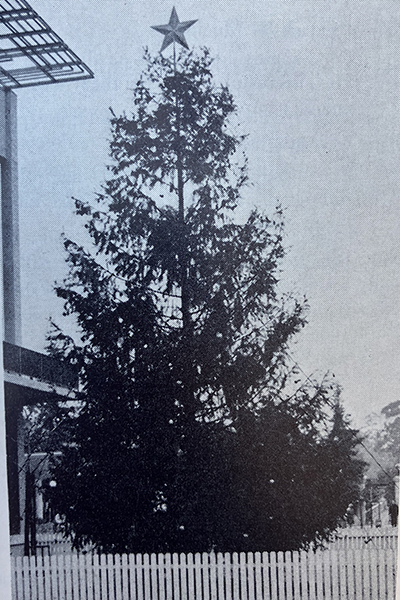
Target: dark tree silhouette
x=190, y=435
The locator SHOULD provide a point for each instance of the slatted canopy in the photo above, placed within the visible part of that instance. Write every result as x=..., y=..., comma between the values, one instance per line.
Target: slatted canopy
x=31, y=53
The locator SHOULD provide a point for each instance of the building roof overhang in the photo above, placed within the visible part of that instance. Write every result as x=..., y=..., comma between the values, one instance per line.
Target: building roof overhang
x=31, y=53
x=32, y=377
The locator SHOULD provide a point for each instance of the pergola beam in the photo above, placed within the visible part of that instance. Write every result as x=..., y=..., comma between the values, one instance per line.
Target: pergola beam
x=26, y=35
x=10, y=53
x=18, y=15
x=22, y=34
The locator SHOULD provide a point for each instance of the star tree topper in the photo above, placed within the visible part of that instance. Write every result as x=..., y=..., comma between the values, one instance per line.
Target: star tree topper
x=174, y=30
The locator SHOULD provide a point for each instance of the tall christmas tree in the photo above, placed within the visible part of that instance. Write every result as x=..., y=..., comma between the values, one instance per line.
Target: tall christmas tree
x=188, y=437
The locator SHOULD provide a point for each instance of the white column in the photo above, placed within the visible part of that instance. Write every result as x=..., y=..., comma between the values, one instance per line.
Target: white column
x=10, y=319
x=5, y=560
x=396, y=480
x=10, y=220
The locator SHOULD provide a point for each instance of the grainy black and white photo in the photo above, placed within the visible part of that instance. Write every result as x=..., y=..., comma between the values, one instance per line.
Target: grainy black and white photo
x=200, y=236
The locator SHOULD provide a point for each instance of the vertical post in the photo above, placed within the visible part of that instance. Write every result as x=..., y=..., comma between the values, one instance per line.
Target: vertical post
x=33, y=515
x=10, y=222
x=397, y=501
x=398, y=566
x=181, y=208
x=183, y=258
x=5, y=560
x=28, y=511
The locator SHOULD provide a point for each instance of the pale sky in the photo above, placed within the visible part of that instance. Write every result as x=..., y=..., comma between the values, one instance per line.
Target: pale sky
x=317, y=87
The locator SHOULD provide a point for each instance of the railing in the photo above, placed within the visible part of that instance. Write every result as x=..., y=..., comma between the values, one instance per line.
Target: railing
x=39, y=366
x=323, y=575
x=47, y=544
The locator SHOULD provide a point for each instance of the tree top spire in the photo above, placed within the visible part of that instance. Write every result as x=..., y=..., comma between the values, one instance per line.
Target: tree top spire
x=174, y=30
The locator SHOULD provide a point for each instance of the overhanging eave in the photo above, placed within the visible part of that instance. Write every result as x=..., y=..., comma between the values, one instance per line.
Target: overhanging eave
x=35, y=53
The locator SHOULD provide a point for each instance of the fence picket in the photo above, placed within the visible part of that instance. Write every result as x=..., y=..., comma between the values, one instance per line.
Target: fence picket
x=34, y=578
x=303, y=575
x=390, y=572
x=139, y=577
x=168, y=577
x=250, y=574
x=235, y=577
x=273, y=576
x=68, y=577
x=86, y=565
x=63, y=563
x=296, y=575
x=118, y=575
x=17, y=581
x=331, y=589
x=96, y=577
x=326, y=582
x=175, y=577
x=103, y=576
x=243, y=576
x=288, y=575
x=198, y=576
x=220, y=572
x=76, y=584
x=373, y=568
x=280, y=560
x=124, y=578
x=131, y=572
x=312, y=575
x=39, y=578
x=108, y=570
x=161, y=576
x=26, y=568
x=343, y=574
x=381, y=577
x=358, y=575
x=365, y=579
x=352, y=556
x=266, y=587
x=367, y=575
x=154, y=577
x=47, y=577
x=258, y=595
x=184, y=576
x=190, y=577
x=334, y=568
x=228, y=576
x=82, y=576
x=206, y=576
x=213, y=576
x=146, y=577
x=60, y=576
x=319, y=575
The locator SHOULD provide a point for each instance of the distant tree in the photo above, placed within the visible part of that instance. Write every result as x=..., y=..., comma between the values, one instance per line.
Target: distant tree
x=382, y=439
x=387, y=439
x=48, y=426
x=191, y=435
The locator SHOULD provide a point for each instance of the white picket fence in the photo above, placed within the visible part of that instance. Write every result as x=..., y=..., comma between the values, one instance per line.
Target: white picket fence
x=362, y=537
x=367, y=574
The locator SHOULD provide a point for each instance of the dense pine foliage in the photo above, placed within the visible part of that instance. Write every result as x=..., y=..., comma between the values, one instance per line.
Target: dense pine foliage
x=191, y=434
